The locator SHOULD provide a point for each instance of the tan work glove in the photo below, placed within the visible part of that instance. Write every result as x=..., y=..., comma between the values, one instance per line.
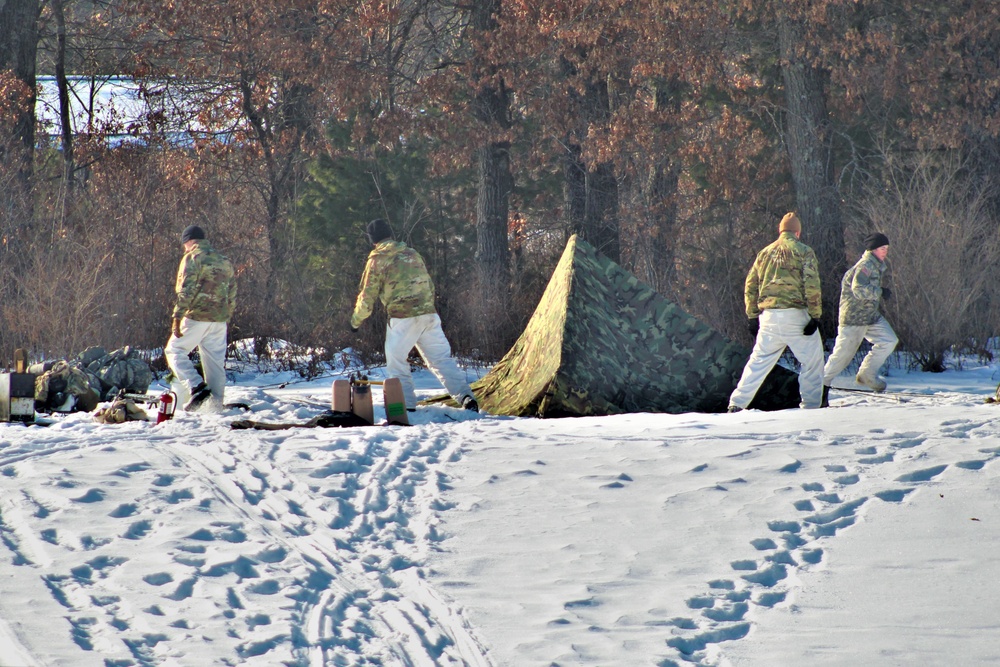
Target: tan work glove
x=176, y=330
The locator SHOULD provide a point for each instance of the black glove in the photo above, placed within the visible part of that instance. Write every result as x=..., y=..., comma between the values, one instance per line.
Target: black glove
x=810, y=328
x=754, y=326
x=886, y=293
x=353, y=328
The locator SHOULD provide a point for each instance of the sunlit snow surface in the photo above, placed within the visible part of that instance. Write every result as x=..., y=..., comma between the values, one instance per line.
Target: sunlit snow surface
x=864, y=534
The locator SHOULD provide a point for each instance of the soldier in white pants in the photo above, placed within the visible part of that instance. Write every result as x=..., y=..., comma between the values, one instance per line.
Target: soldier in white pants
x=861, y=294
x=210, y=339
x=206, y=297
x=780, y=328
x=423, y=332
x=396, y=275
x=783, y=304
x=883, y=340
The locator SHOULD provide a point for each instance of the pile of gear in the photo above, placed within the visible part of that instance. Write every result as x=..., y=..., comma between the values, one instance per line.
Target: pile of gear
x=94, y=375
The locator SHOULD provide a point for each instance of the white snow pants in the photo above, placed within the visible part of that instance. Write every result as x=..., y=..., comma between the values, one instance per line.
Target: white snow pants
x=423, y=332
x=780, y=328
x=210, y=339
x=880, y=335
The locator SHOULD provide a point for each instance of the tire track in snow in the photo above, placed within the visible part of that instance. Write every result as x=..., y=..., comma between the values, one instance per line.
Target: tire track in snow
x=368, y=553
x=346, y=550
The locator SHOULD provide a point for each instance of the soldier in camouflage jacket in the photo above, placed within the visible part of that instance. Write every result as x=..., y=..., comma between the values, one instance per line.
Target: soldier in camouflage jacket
x=861, y=294
x=396, y=275
x=206, y=298
x=783, y=304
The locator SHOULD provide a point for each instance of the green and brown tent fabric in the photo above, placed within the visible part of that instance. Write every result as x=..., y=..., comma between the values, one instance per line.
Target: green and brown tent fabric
x=601, y=343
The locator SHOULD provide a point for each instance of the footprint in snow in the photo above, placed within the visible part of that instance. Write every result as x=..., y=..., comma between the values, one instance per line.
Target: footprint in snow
x=768, y=576
x=784, y=557
x=893, y=495
x=91, y=496
x=841, y=511
x=847, y=480
x=872, y=460
x=784, y=526
x=728, y=613
x=689, y=646
x=909, y=443
x=128, y=470
x=922, y=475
x=618, y=483
x=836, y=514
x=770, y=598
x=791, y=467
x=959, y=428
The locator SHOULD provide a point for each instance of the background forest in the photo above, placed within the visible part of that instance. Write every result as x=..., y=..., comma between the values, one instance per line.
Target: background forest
x=671, y=135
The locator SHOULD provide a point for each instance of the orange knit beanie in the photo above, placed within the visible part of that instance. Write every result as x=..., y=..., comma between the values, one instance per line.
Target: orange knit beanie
x=790, y=223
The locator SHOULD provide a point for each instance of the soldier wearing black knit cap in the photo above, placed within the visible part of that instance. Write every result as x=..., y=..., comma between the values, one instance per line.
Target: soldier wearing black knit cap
x=861, y=295
x=206, y=297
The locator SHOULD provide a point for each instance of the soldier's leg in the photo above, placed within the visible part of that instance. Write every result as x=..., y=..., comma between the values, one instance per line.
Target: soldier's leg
x=176, y=353
x=767, y=350
x=434, y=347
x=213, y=360
x=846, y=346
x=809, y=352
x=401, y=335
x=883, y=340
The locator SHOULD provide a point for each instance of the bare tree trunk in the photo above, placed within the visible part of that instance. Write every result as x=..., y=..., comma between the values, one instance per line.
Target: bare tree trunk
x=492, y=108
x=661, y=194
x=601, y=218
x=492, y=211
x=809, y=140
x=574, y=188
x=652, y=204
x=591, y=194
x=65, y=115
x=18, y=48
x=279, y=167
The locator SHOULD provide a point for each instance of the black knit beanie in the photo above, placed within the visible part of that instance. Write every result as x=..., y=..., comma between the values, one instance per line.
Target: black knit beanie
x=378, y=230
x=876, y=240
x=191, y=233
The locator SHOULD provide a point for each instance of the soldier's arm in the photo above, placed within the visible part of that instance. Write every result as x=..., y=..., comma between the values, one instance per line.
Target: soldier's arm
x=232, y=294
x=811, y=285
x=368, y=291
x=751, y=291
x=188, y=279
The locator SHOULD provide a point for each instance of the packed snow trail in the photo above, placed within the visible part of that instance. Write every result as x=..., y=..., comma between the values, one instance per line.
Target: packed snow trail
x=329, y=521
x=627, y=593
x=463, y=540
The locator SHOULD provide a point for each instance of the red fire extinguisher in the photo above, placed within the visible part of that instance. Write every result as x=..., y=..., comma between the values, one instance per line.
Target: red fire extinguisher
x=168, y=403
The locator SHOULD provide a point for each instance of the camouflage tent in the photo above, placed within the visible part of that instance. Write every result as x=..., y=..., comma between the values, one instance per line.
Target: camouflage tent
x=601, y=342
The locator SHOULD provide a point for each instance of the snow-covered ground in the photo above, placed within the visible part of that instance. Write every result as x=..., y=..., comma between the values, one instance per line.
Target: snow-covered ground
x=864, y=534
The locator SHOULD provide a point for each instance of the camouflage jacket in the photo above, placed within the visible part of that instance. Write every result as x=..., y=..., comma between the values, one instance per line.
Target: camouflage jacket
x=206, y=285
x=396, y=275
x=784, y=275
x=861, y=292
